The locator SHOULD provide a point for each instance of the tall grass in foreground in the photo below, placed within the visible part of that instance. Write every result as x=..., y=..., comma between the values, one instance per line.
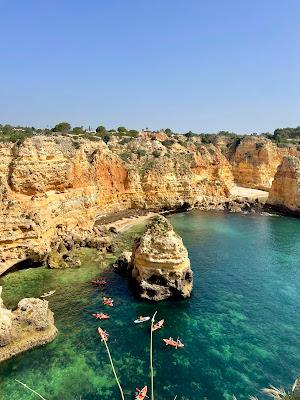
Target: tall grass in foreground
x=280, y=393
x=151, y=356
x=272, y=391
x=31, y=390
x=104, y=340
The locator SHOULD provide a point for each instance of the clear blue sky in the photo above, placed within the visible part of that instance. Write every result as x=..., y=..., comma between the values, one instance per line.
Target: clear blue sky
x=184, y=64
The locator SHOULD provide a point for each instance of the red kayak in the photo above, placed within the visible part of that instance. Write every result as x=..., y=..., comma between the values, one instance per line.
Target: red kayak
x=174, y=343
x=101, y=316
x=99, y=282
x=158, y=325
x=108, y=301
x=141, y=393
x=103, y=335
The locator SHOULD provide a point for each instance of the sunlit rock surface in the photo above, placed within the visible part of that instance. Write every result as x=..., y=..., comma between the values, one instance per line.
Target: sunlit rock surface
x=255, y=161
x=29, y=326
x=285, y=191
x=161, y=264
x=55, y=186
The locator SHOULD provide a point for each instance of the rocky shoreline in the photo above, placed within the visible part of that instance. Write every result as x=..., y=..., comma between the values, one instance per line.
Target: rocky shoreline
x=29, y=326
x=158, y=265
x=56, y=190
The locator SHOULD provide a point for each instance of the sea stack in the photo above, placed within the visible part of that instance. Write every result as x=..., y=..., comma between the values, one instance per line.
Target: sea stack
x=161, y=266
x=30, y=325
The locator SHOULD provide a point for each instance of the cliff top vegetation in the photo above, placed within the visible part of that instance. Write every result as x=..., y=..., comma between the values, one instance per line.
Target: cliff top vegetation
x=9, y=133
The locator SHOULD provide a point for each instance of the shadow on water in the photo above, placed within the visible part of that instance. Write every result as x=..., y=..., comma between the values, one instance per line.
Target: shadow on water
x=239, y=327
x=25, y=264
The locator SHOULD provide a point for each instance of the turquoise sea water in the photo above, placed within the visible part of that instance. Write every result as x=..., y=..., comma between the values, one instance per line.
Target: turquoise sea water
x=241, y=326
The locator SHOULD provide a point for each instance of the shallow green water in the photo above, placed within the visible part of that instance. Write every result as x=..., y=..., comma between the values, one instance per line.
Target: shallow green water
x=240, y=326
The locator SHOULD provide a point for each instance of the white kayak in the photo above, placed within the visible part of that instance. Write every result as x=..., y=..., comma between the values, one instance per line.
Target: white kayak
x=141, y=319
x=48, y=294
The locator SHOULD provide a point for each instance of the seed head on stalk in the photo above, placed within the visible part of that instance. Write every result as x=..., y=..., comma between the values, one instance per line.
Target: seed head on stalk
x=104, y=338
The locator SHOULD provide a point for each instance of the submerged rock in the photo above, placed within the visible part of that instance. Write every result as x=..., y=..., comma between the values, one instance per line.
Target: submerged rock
x=123, y=264
x=161, y=266
x=63, y=259
x=29, y=326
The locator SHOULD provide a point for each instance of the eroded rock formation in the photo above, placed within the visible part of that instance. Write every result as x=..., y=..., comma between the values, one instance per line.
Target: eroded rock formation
x=161, y=266
x=30, y=325
x=5, y=323
x=255, y=161
x=285, y=191
x=54, y=187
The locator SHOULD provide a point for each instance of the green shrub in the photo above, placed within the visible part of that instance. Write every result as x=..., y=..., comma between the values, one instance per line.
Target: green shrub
x=156, y=153
x=92, y=138
x=125, y=140
x=14, y=137
x=259, y=145
x=147, y=166
x=168, y=142
x=76, y=144
x=125, y=156
x=205, y=138
x=101, y=129
x=132, y=133
x=78, y=130
x=105, y=136
x=62, y=127
x=189, y=134
x=141, y=152
x=122, y=130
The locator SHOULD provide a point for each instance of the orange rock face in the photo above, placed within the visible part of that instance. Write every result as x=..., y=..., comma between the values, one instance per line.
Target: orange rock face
x=53, y=185
x=255, y=162
x=285, y=191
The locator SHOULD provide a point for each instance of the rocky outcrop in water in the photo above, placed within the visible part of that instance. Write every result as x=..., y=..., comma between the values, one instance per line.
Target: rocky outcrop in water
x=6, y=334
x=161, y=266
x=285, y=191
x=29, y=326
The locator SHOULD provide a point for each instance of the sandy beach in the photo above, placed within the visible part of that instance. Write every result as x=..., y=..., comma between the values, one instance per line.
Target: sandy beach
x=251, y=194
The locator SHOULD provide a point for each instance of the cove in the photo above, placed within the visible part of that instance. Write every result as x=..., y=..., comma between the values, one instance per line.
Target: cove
x=240, y=326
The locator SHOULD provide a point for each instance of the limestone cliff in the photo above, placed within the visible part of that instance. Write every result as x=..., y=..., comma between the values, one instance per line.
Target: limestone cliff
x=255, y=161
x=285, y=190
x=53, y=185
x=160, y=261
x=30, y=325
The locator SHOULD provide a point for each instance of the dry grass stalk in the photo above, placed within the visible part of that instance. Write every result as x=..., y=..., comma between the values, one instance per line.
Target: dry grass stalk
x=276, y=393
x=104, y=340
x=33, y=391
x=151, y=356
